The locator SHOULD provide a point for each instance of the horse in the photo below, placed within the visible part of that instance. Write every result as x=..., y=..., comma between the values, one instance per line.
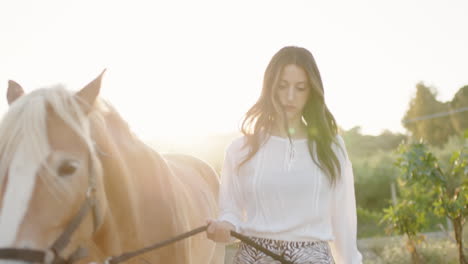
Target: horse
x=59, y=147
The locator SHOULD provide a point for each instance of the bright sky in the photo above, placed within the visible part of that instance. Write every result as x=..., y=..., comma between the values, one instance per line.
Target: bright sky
x=195, y=67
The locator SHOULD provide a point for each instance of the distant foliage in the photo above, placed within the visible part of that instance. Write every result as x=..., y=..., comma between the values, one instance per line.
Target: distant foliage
x=373, y=177
x=436, y=130
x=460, y=100
x=363, y=146
x=373, y=158
x=367, y=223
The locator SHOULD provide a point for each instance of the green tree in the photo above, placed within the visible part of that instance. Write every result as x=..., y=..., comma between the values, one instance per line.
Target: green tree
x=409, y=216
x=459, y=102
x=449, y=186
x=434, y=130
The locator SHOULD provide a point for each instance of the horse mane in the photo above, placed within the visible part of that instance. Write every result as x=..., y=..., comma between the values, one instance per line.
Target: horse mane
x=112, y=132
x=24, y=127
x=128, y=145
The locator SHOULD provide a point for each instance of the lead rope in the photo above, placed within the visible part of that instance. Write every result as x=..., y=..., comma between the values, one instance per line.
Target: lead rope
x=246, y=240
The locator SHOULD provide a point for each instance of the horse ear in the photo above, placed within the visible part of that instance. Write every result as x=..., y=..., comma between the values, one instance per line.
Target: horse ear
x=88, y=94
x=14, y=91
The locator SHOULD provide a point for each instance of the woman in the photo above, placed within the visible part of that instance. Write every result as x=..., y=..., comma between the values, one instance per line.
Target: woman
x=288, y=183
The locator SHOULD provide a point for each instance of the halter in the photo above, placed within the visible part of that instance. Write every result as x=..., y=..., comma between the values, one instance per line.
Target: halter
x=52, y=254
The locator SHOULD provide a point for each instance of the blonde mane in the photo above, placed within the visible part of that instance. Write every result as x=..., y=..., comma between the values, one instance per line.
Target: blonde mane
x=24, y=126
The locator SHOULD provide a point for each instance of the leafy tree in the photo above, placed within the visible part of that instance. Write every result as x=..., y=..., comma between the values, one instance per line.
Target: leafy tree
x=459, y=120
x=449, y=187
x=409, y=216
x=434, y=130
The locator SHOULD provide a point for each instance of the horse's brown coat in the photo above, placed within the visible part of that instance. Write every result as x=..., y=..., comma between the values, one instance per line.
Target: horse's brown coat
x=143, y=196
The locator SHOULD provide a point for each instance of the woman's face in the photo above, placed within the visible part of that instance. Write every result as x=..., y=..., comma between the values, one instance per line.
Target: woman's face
x=293, y=91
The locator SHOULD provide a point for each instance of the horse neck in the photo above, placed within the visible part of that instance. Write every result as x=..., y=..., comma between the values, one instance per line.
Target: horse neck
x=137, y=181
x=121, y=215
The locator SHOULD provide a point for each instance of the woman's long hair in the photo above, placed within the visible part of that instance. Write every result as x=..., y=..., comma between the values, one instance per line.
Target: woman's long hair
x=321, y=125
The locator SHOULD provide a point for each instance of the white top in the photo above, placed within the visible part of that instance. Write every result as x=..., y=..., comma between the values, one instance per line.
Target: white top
x=282, y=194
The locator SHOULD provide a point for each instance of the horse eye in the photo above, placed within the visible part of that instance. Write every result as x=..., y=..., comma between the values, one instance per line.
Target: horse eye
x=67, y=168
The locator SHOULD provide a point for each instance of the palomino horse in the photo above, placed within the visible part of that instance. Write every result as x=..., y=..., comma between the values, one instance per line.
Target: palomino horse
x=55, y=144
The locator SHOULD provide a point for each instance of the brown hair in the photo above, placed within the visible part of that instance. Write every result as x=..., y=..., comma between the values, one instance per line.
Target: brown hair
x=321, y=125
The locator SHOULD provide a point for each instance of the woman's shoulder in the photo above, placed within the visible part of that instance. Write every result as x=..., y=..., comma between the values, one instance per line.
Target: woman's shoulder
x=339, y=146
x=339, y=140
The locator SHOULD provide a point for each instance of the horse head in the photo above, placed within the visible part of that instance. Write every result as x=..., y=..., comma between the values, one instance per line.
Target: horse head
x=50, y=173
x=73, y=175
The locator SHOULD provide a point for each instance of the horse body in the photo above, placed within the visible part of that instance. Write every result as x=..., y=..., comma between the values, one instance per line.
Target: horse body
x=142, y=197
x=189, y=181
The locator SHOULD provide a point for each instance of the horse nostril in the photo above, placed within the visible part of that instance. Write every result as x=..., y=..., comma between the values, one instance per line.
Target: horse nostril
x=67, y=168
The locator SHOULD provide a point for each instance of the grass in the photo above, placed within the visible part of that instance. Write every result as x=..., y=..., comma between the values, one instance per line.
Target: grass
x=435, y=249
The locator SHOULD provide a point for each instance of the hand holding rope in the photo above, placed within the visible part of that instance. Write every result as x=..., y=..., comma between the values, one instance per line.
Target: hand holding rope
x=246, y=240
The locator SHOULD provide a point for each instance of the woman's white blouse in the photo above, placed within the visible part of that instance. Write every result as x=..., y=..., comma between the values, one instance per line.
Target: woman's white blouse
x=282, y=194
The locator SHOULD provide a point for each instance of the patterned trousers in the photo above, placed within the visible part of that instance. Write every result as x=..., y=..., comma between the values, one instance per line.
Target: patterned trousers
x=317, y=252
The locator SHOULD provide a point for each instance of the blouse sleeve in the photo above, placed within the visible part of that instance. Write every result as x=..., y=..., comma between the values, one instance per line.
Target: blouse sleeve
x=230, y=208
x=344, y=220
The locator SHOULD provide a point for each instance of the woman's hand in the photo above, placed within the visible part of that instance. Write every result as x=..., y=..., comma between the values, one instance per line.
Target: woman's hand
x=219, y=231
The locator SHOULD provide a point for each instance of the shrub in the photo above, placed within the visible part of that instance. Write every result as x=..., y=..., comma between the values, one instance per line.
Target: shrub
x=368, y=223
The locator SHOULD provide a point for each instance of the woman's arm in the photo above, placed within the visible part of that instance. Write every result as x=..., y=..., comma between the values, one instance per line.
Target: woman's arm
x=344, y=220
x=230, y=209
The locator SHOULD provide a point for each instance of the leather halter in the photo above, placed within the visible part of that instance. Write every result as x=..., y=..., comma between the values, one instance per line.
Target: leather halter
x=52, y=255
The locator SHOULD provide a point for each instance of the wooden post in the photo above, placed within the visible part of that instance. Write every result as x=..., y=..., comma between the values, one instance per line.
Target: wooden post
x=393, y=191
